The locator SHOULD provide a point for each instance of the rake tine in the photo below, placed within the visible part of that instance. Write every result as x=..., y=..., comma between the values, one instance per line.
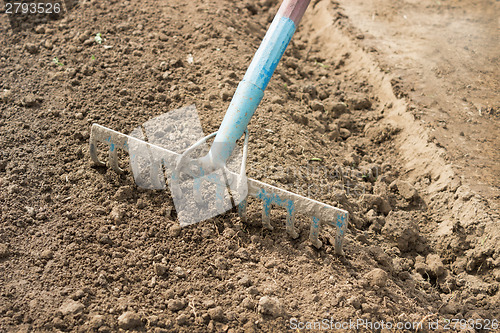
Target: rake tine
x=219, y=194
x=93, y=151
x=290, y=220
x=197, y=190
x=242, y=210
x=341, y=227
x=113, y=159
x=266, y=219
x=313, y=234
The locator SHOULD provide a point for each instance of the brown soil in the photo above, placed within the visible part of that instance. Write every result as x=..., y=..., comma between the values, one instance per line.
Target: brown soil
x=84, y=249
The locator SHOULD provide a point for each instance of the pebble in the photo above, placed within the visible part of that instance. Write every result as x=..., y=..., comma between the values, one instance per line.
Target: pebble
x=179, y=272
x=182, y=319
x=129, y=320
x=360, y=103
x=31, y=48
x=317, y=106
x=124, y=193
x=248, y=303
x=406, y=190
x=225, y=95
x=216, y=314
x=79, y=115
x=344, y=133
x=435, y=264
x=4, y=251
x=175, y=230
x=176, y=305
x=160, y=269
x=96, y=321
x=162, y=37
x=335, y=108
x=117, y=214
x=270, y=306
x=48, y=44
x=245, y=281
x=30, y=100
x=47, y=254
x=277, y=100
x=377, y=277
x=71, y=307
x=242, y=253
x=40, y=29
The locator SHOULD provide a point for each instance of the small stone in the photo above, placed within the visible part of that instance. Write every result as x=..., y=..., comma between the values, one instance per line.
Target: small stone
x=160, y=269
x=355, y=302
x=31, y=48
x=335, y=108
x=47, y=254
x=162, y=37
x=242, y=253
x=225, y=95
x=48, y=44
x=129, y=320
x=271, y=263
x=435, y=265
x=4, y=251
x=175, y=230
x=71, y=307
x=360, y=103
x=182, y=319
x=270, y=306
x=311, y=90
x=78, y=294
x=179, y=272
x=141, y=204
x=79, y=115
x=317, y=105
x=245, y=281
x=176, y=305
x=210, y=303
x=344, y=133
x=377, y=277
x=124, y=193
x=277, y=100
x=30, y=100
x=248, y=303
x=406, y=190
x=96, y=321
x=40, y=29
x=166, y=75
x=216, y=314
x=117, y=214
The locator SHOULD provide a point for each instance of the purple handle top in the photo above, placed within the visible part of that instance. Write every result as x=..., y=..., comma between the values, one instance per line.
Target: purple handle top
x=293, y=9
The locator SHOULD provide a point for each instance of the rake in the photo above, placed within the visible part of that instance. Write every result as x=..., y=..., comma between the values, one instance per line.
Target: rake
x=206, y=186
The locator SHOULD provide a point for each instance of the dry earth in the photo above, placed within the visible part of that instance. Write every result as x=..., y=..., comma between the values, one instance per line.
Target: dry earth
x=84, y=249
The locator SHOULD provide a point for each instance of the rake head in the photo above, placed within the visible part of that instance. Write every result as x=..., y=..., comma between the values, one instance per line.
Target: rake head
x=200, y=192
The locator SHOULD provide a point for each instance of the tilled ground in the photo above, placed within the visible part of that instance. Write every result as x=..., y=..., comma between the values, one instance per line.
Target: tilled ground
x=85, y=249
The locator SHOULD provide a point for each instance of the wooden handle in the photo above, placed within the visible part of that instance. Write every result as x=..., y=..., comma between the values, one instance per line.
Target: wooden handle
x=293, y=9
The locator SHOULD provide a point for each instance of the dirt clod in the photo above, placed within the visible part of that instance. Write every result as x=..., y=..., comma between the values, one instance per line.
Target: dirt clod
x=270, y=306
x=71, y=307
x=129, y=320
x=401, y=229
x=216, y=314
x=377, y=277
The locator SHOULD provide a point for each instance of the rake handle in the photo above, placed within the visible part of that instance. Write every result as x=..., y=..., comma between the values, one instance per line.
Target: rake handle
x=250, y=91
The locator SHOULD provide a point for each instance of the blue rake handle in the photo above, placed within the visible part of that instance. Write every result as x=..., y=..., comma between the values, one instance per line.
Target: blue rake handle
x=250, y=91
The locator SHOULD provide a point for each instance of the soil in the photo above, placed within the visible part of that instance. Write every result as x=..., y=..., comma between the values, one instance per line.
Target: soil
x=353, y=117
